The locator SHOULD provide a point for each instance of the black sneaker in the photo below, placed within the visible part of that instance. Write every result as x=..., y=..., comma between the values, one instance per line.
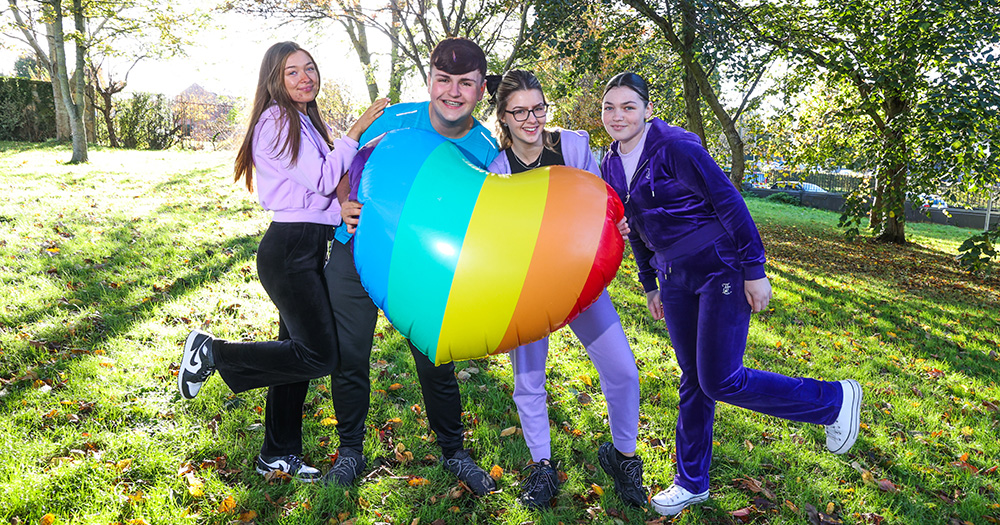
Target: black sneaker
x=466, y=470
x=349, y=465
x=627, y=474
x=291, y=465
x=541, y=485
x=196, y=363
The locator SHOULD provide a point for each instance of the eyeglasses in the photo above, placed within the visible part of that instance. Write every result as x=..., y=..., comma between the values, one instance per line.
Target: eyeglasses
x=520, y=115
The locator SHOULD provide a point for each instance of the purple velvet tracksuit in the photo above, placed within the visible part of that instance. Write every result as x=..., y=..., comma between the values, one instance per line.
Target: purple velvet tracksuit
x=691, y=229
x=598, y=328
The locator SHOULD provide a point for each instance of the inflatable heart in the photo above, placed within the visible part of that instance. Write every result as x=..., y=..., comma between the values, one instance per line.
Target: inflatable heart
x=467, y=263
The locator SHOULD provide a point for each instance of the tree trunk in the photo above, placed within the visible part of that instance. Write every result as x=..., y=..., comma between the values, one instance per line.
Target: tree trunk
x=693, y=67
x=395, y=64
x=894, y=159
x=692, y=102
x=77, y=128
x=875, y=214
x=108, y=121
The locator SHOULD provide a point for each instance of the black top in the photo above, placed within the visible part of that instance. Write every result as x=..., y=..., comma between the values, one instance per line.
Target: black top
x=547, y=158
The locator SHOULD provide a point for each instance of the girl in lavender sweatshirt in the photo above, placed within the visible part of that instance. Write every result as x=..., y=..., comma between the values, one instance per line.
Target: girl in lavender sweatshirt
x=298, y=168
x=691, y=231
x=526, y=144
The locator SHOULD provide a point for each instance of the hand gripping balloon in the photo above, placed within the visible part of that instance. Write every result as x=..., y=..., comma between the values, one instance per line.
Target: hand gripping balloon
x=467, y=263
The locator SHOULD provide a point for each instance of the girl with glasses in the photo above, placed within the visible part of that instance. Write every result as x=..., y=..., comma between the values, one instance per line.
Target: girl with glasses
x=526, y=144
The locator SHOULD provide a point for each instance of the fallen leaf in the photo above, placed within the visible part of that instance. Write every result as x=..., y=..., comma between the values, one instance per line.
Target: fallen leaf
x=496, y=472
x=744, y=515
x=867, y=477
x=195, y=486
x=597, y=489
x=887, y=486
x=395, y=386
x=328, y=421
x=47, y=519
x=586, y=380
x=417, y=481
x=509, y=431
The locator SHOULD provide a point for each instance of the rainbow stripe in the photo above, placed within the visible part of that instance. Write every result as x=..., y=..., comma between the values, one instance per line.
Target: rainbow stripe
x=466, y=263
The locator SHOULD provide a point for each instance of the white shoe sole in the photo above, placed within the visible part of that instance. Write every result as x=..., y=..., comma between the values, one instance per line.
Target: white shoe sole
x=677, y=508
x=185, y=357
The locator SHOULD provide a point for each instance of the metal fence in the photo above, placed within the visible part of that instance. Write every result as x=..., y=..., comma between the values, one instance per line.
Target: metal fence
x=844, y=183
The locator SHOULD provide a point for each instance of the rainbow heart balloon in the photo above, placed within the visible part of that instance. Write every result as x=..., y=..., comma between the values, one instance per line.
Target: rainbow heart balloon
x=467, y=263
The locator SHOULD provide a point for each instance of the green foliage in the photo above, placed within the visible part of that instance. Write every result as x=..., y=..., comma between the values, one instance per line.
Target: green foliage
x=977, y=253
x=910, y=91
x=784, y=198
x=27, y=66
x=145, y=121
x=585, y=44
x=27, y=111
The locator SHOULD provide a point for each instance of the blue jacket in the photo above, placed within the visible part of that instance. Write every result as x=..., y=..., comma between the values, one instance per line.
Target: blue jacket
x=679, y=202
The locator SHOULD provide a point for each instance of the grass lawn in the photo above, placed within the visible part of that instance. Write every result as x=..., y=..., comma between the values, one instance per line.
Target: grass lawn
x=105, y=268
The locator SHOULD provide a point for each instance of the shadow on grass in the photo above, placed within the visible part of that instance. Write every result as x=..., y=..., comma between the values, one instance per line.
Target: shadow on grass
x=908, y=290
x=99, y=307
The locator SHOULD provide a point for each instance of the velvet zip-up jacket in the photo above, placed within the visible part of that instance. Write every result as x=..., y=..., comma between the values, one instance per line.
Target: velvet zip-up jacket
x=305, y=192
x=679, y=202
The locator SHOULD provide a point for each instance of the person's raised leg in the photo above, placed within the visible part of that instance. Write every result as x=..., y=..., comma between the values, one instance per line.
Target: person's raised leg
x=290, y=266
x=722, y=327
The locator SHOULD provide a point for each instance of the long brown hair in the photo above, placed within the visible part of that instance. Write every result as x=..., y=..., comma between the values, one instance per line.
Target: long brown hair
x=513, y=81
x=271, y=90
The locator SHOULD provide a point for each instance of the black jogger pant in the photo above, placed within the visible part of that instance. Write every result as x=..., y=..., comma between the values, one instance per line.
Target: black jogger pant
x=355, y=316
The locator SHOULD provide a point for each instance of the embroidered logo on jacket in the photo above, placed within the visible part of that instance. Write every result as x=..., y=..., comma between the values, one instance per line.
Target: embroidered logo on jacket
x=727, y=289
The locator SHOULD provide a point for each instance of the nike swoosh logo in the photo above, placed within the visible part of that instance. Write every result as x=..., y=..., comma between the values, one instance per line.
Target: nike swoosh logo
x=196, y=357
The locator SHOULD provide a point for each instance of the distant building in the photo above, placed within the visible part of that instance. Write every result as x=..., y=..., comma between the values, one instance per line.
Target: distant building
x=203, y=115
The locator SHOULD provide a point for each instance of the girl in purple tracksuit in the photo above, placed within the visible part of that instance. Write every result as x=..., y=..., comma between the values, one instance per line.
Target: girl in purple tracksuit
x=298, y=167
x=692, y=232
x=525, y=144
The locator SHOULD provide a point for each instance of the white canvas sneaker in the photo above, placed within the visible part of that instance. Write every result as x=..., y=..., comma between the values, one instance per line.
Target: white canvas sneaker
x=672, y=501
x=841, y=435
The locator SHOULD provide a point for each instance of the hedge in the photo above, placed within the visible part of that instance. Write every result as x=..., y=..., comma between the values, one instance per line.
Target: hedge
x=27, y=110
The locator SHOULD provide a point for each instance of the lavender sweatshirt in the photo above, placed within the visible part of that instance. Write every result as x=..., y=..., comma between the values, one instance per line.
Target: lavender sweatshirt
x=305, y=192
x=575, y=147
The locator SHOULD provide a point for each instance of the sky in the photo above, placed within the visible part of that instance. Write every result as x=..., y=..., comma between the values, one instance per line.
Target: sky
x=225, y=58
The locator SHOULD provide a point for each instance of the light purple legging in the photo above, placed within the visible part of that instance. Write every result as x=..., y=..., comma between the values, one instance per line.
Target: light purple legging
x=600, y=331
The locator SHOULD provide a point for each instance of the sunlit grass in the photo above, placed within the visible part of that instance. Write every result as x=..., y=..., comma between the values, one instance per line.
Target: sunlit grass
x=105, y=267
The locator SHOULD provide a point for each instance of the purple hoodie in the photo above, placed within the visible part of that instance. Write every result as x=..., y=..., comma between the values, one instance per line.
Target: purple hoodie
x=679, y=202
x=575, y=147
x=305, y=192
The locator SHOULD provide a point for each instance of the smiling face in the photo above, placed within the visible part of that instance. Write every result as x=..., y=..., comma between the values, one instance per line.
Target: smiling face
x=528, y=132
x=301, y=79
x=624, y=116
x=453, y=98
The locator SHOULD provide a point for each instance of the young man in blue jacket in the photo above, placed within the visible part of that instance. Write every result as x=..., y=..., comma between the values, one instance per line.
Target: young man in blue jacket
x=456, y=84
